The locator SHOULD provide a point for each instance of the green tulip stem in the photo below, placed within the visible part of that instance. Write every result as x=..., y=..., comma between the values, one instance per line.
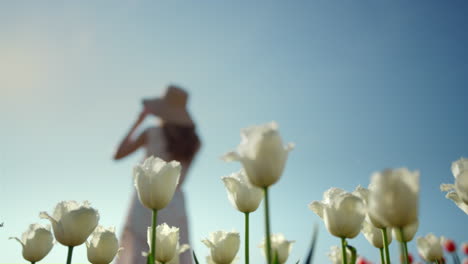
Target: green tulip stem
x=267, y=225
x=344, y=256
x=153, y=234
x=456, y=260
x=404, y=247
x=246, y=238
x=33, y=262
x=69, y=256
x=385, y=240
x=382, y=255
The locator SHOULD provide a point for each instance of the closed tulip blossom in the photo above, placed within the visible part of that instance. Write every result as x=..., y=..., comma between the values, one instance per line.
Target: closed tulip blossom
x=209, y=260
x=167, y=239
x=335, y=255
x=180, y=249
x=103, y=246
x=430, y=248
x=262, y=154
x=342, y=212
x=36, y=242
x=464, y=248
x=72, y=223
x=458, y=192
x=394, y=197
x=279, y=246
x=449, y=245
x=408, y=232
x=374, y=235
x=243, y=195
x=223, y=246
x=156, y=181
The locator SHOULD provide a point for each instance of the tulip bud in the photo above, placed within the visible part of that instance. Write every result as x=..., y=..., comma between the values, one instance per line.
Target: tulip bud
x=430, y=248
x=37, y=242
x=342, y=212
x=408, y=232
x=279, y=246
x=223, y=246
x=156, y=181
x=243, y=196
x=465, y=248
x=449, y=245
x=167, y=241
x=394, y=197
x=103, y=246
x=262, y=154
x=72, y=223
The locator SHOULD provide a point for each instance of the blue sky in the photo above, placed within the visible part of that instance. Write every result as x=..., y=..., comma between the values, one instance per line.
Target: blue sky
x=359, y=86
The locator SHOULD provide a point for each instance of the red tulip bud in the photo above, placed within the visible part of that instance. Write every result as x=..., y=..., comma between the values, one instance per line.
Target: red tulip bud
x=362, y=260
x=450, y=246
x=410, y=258
x=465, y=248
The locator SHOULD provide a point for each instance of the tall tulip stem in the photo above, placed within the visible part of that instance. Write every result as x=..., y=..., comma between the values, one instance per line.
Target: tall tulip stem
x=344, y=256
x=246, y=238
x=404, y=247
x=153, y=234
x=382, y=256
x=69, y=256
x=385, y=242
x=267, y=226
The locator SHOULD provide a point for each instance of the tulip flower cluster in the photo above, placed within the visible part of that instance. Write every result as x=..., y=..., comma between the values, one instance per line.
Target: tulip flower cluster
x=72, y=225
x=388, y=209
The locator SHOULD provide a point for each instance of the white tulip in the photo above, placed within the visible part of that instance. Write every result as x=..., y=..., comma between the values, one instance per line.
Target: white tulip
x=279, y=245
x=408, y=232
x=363, y=193
x=458, y=192
x=430, y=247
x=167, y=242
x=103, y=245
x=179, y=250
x=374, y=234
x=394, y=197
x=72, y=223
x=335, y=255
x=262, y=154
x=156, y=181
x=209, y=260
x=223, y=246
x=243, y=196
x=342, y=212
x=37, y=242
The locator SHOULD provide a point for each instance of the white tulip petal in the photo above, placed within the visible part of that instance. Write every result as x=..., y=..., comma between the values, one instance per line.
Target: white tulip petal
x=456, y=199
x=430, y=248
x=36, y=242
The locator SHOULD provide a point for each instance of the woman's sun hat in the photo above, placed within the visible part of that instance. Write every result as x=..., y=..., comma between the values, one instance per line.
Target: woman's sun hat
x=172, y=107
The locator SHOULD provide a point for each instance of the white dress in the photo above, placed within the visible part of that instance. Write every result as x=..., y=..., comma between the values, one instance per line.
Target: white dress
x=134, y=238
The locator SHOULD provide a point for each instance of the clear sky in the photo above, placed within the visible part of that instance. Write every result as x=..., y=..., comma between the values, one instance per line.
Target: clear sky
x=358, y=85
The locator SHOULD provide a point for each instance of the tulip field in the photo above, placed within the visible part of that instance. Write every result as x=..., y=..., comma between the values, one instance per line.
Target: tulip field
x=384, y=212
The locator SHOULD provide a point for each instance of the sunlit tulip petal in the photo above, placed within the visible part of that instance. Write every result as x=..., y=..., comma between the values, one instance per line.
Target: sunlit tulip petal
x=430, y=248
x=394, y=197
x=243, y=196
x=262, y=154
x=72, y=223
x=342, y=212
x=156, y=181
x=374, y=234
x=280, y=246
x=103, y=246
x=223, y=246
x=167, y=241
x=408, y=232
x=458, y=192
x=36, y=242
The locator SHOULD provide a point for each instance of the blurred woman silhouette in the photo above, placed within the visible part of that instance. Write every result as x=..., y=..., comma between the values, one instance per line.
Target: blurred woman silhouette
x=174, y=139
